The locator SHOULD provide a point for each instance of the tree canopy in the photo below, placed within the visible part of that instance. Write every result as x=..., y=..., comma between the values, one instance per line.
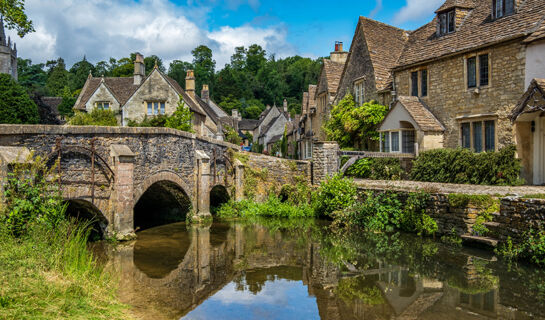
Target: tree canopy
x=13, y=12
x=16, y=107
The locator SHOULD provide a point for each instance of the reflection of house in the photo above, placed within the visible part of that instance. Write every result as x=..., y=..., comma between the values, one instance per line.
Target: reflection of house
x=133, y=99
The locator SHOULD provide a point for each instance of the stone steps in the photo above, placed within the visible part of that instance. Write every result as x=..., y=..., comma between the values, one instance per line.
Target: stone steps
x=479, y=242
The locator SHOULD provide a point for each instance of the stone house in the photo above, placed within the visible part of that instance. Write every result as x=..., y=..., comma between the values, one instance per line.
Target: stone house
x=8, y=53
x=272, y=123
x=306, y=132
x=457, y=79
x=137, y=97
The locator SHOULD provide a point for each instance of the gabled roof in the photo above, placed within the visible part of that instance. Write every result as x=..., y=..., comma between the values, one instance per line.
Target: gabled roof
x=193, y=104
x=478, y=30
x=121, y=88
x=312, y=96
x=248, y=124
x=333, y=72
x=385, y=44
x=419, y=112
x=266, y=129
x=536, y=86
x=451, y=4
x=275, y=139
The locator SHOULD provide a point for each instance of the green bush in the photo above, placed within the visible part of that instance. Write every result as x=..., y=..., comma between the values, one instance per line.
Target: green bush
x=414, y=217
x=181, y=118
x=273, y=207
x=15, y=105
x=531, y=249
x=376, y=169
x=158, y=121
x=466, y=167
x=97, y=117
x=335, y=193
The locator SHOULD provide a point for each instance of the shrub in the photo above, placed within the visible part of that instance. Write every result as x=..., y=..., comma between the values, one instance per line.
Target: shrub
x=298, y=194
x=232, y=136
x=97, y=117
x=466, y=167
x=376, y=169
x=15, y=105
x=158, y=121
x=273, y=207
x=532, y=248
x=181, y=118
x=335, y=193
x=414, y=217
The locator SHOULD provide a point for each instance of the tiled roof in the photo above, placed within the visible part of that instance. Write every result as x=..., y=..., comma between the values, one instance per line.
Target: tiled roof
x=477, y=30
x=385, y=44
x=450, y=4
x=537, y=85
x=537, y=35
x=423, y=117
x=193, y=105
x=275, y=139
x=248, y=124
x=333, y=72
x=121, y=88
x=268, y=127
x=312, y=96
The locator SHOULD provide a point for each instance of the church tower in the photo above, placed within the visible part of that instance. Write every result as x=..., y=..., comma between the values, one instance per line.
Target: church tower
x=8, y=53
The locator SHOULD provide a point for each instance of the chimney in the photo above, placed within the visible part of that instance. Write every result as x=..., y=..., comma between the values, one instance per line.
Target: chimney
x=139, y=69
x=285, y=105
x=338, y=55
x=235, y=115
x=205, y=93
x=304, y=107
x=190, y=83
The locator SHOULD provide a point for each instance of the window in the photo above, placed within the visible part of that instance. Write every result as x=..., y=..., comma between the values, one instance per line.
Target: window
x=424, y=82
x=483, y=70
x=395, y=141
x=502, y=8
x=414, y=84
x=156, y=108
x=479, y=135
x=358, y=93
x=447, y=22
x=472, y=72
x=408, y=141
x=386, y=142
x=102, y=105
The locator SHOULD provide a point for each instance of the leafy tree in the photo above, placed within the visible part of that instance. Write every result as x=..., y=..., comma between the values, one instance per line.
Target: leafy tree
x=97, y=117
x=204, y=66
x=229, y=104
x=149, y=63
x=178, y=71
x=181, y=119
x=353, y=126
x=284, y=144
x=79, y=73
x=31, y=76
x=68, y=102
x=57, y=77
x=15, y=105
x=13, y=12
x=124, y=67
x=252, y=112
x=232, y=136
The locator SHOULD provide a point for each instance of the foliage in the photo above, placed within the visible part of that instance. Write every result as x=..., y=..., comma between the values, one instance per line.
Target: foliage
x=57, y=77
x=181, y=118
x=466, y=167
x=204, y=67
x=452, y=238
x=68, y=101
x=361, y=289
x=461, y=200
x=97, y=117
x=13, y=12
x=32, y=76
x=273, y=207
x=298, y=194
x=376, y=169
x=355, y=126
x=414, y=217
x=16, y=107
x=531, y=248
x=158, y=121
x=335, y=193
x=284, y=144
x=232, y=136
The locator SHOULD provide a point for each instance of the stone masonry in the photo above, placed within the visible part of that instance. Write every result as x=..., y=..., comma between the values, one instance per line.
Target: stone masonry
x=326, y=160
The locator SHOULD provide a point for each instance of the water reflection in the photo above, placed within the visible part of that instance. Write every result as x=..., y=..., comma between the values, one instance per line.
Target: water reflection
x=277, y=270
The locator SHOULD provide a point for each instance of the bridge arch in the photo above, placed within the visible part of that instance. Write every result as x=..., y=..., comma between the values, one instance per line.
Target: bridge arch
x=86, y=212
x=218, y=196
x=161, y=199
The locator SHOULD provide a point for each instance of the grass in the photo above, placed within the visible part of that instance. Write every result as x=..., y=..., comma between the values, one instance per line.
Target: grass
x=52, y=275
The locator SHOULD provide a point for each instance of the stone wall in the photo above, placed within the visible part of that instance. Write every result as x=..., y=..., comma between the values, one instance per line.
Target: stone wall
x=517, y=216
x=325, y=157
x=449, y=98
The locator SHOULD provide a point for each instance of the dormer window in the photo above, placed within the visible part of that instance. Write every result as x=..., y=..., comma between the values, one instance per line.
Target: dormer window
x=447, y=22
x=501, y=8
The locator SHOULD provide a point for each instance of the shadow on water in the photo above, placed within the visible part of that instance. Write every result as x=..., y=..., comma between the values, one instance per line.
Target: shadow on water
x=287, y=270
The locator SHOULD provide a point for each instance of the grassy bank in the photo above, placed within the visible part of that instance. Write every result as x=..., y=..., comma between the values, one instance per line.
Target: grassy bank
x=50, y=274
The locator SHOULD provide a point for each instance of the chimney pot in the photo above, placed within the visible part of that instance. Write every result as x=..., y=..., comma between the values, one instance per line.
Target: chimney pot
x=205, y=92
x=285, y=105
x=190, y=83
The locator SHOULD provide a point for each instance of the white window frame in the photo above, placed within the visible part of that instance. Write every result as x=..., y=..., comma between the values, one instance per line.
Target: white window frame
x=359, y=93
x=388, y=139
x=157, y=108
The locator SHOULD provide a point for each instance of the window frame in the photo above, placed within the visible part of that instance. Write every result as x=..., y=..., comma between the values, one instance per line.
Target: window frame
x=502, y=11
x=446, y=22
x=100, y=105
x=387, y=140
x=478, y=58
x=415, y=92
x=419, y=89
x=470, y=122
x=158, y=108
x=359, y=93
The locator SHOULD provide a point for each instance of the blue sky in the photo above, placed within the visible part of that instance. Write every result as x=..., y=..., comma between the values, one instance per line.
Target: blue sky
x=170, y=29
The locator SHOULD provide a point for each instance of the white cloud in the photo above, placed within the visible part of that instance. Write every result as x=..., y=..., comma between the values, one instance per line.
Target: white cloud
x=377, y=9
x=416, y=10
x=101, y=29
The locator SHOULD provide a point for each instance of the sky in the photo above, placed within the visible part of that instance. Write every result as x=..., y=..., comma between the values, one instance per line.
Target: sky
x=170, y=29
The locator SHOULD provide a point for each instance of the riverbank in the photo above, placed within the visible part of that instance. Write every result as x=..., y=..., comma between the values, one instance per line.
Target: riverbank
x=52, y=275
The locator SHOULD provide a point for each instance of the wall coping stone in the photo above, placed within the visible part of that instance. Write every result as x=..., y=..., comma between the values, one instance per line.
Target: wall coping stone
x=9, y=155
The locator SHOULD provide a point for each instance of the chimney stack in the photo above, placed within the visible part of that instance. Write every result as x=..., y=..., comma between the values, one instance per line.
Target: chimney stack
x=235, y=115
x=139, y=69
x=338, y=55
x=285, y=105
x=190, y=83
x=205, y=93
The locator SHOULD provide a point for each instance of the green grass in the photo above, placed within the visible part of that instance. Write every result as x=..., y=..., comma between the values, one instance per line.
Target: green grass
x=52, y=275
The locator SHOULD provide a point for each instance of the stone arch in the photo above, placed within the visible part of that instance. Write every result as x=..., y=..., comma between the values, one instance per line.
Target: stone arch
x=218, y=196
x=161, y=199
x=87, y=213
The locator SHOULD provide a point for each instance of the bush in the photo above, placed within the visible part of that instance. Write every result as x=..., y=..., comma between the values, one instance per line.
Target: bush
x=376, y=169
x=273, y=207
x=181, y=118
x=336, y=193
x=97, y=117
x=16, y=107
x=158, y=121
x=531, y=249
x=466, y=167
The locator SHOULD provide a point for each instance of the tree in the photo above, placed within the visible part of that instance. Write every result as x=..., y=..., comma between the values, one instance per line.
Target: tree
x=229, y=104
x=57, y=77
x=284, y=144
x=353, y=126
x=31, y=76
x=149, y=63
x=124, y=67
x=15, y=105
x=97, y=117
x=178, y=71
x=79, y=73
x=181, y=118
x=68, y=102
x=252, y=112
x=204, y=67
x=15, y=17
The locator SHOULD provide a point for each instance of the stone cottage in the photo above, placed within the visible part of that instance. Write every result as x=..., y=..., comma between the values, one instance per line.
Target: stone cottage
x=140, y=96
x=8, y=53
x=306, y=132
x=271, y=126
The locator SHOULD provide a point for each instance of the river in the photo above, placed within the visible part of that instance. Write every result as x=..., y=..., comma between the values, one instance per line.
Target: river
x=273, y=269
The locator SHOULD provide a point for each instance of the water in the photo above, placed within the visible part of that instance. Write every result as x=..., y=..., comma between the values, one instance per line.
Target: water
x=303, y=270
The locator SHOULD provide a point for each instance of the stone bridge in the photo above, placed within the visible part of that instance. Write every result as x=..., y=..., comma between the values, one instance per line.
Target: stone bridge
x=124, y=174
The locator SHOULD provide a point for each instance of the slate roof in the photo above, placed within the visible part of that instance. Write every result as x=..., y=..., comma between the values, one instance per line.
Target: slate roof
x=537, y=85
x=450, y=4
x=477, y=30
x=420, y=113
x=275, y=139
x=312, y=96
x=333, y=72
x=385, y=44
x=248, y=124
